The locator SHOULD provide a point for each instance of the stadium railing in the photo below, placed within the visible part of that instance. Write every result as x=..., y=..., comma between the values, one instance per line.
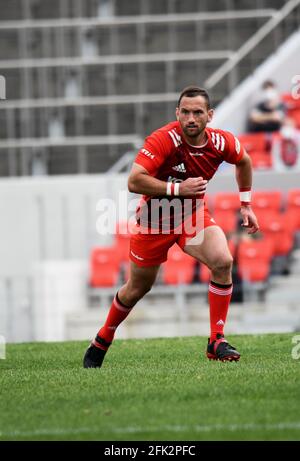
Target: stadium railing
x=33, y=71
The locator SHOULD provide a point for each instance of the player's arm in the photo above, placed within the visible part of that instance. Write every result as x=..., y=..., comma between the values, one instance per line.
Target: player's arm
x=141, y=182
x=244, y=180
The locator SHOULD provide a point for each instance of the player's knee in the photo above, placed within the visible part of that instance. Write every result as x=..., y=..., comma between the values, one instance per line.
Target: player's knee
x=223, y=264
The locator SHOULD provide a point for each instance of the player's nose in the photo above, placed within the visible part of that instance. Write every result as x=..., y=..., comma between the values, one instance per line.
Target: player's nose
x=191, y=118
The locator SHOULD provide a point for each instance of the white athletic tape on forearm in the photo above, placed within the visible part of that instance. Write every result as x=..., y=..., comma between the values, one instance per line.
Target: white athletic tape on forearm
x=245, y=196
x=176, y=188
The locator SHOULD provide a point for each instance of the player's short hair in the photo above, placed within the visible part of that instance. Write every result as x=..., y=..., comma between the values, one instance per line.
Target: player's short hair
x=192, y=92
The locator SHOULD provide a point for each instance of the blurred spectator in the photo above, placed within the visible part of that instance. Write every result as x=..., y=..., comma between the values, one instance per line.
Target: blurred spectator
x=105, y=8
x=56, y=127
x=39, y=163
x=269, y=113
x=72, y=85
x=89, y=47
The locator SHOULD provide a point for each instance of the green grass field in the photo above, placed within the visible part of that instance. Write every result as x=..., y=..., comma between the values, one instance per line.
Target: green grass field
x=158, y=389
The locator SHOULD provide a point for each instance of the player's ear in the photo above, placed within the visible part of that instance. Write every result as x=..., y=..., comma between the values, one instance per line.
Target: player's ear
x=177, y=113
x=210, y=115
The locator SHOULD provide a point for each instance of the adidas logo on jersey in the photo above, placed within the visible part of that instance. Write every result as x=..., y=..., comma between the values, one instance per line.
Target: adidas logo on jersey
x=180, y=168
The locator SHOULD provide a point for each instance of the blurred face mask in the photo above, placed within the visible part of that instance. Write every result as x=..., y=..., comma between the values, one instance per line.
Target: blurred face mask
x=270, y=94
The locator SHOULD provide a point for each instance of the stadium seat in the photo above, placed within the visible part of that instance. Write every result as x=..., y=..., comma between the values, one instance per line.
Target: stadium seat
x=254, y=142
x=255, y=248
x=226, y=219
x=251, y=271
x=254, y=259
x=293, y=208
x=104, y=266
x=261, y=160
x=179, y=268
x=226, y=201
x=273, y=226
x=267, y=200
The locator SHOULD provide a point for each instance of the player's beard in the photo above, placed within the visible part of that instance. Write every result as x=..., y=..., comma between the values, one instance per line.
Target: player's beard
x=192, y=133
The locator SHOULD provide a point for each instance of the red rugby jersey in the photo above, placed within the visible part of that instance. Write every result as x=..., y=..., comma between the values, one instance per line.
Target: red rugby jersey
x=167, y=156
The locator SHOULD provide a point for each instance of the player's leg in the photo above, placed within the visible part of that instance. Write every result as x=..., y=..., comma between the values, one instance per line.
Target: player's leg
x=210, y=247
x=139, y=283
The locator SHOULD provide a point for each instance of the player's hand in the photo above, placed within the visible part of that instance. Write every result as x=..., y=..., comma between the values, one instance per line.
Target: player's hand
x=249, y=219
x=193, y=186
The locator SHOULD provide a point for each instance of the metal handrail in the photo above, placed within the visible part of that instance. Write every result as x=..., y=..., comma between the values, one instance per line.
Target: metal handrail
x=250, y=44
x=114, y=59
x=129, y=139
x=138, y=19
x=88, y=101
x=125, y=162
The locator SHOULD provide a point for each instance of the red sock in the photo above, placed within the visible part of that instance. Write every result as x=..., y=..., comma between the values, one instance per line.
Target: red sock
x=219, y=298
x=117, y=313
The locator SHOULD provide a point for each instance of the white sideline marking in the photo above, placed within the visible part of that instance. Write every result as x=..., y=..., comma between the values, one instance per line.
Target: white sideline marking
x=136, y=430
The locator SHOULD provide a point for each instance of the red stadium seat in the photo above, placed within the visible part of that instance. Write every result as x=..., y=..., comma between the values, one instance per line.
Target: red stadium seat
x=293, y=208
x=226, y=219
x=254, y=141
x=259, y=249
x=273, y=226
x=254, y=259
x=226, y=201
x=179, y=268
x=291, y=221
x=293, y=199
x=261, y=160
x=267, y=200
x=253, y=272
x=104, y=266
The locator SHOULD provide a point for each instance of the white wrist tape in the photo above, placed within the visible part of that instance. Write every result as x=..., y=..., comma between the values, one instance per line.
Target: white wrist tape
x=169, y=188
x=245, y=196
x=176, y=188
